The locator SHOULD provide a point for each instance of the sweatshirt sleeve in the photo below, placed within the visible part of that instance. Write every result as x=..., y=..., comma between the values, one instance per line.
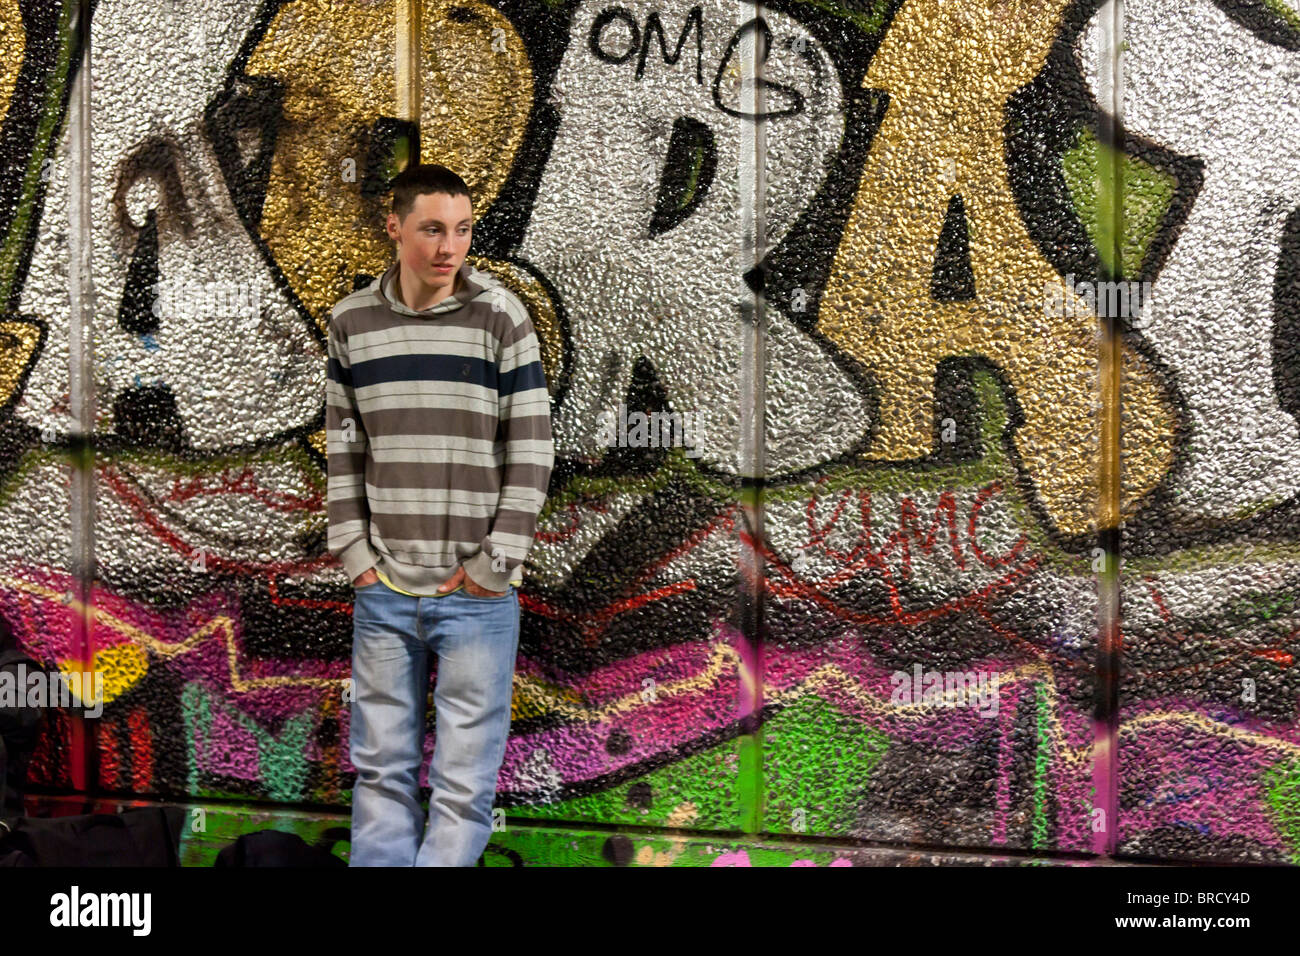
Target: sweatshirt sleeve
x=524, y=416
x=345, y=446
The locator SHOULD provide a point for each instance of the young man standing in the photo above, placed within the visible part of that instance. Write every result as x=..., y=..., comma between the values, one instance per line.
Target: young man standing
x=439, y=442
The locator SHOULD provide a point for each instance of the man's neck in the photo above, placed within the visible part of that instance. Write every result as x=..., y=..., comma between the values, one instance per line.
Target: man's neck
x=408, y=295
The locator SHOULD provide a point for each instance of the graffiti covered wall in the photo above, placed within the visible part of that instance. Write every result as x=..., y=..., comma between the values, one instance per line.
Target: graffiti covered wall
x=953, y=296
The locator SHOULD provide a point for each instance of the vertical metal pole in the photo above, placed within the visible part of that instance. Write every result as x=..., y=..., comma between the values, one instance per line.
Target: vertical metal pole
x=753, y=371
x=409, y=32
x=1110, y=218
x=81, y=357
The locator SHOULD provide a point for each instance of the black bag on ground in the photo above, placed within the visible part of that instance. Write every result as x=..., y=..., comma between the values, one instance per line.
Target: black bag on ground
x=139, y=836
x=277, y=848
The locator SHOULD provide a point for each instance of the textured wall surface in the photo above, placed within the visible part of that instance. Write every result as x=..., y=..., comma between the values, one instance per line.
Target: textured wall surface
x=876, y=592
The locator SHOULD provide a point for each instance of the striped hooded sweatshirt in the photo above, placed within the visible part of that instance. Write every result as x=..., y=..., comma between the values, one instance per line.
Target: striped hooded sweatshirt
x=438, y=435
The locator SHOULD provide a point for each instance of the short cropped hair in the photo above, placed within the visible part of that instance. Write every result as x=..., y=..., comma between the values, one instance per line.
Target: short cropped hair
x=425, y=178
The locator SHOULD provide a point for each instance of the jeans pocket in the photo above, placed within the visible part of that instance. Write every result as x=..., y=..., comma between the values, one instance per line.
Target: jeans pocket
x=496, y=597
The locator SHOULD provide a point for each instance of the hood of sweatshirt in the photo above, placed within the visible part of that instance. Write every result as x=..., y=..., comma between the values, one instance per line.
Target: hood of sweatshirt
x=473, y=284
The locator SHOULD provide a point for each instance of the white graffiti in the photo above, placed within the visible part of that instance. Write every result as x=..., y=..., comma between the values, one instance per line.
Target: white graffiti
x=259, y=375
x=672, y=298
x=1200, y=84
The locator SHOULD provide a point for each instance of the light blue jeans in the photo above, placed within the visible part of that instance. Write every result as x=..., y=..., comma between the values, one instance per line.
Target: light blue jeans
x=476, y=640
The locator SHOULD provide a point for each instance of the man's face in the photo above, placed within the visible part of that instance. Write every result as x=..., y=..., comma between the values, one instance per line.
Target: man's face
x=434, y=237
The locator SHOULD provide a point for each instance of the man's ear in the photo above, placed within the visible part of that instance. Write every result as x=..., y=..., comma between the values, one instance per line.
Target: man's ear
x=393, y=226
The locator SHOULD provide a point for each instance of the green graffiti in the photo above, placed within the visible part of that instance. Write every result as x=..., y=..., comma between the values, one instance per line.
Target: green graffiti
x=1147, y=195
x=281, y=760
x=1042, y=760
x=1283, y=796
